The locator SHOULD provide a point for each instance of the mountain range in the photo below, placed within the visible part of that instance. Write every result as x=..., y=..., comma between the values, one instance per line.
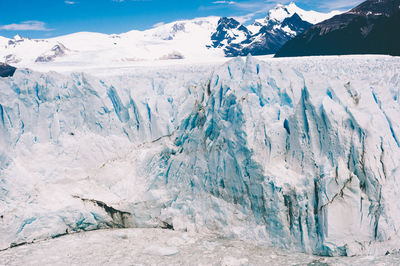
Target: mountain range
x=197, y=39
x=286, y=30
x=370, y=28
x=265, y=36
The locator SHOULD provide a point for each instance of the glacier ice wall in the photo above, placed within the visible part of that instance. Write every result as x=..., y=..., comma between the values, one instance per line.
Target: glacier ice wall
x=69, y=143
x=302, y=154
x=312, y=156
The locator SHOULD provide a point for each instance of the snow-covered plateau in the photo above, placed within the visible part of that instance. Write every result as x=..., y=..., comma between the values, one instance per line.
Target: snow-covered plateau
x=299, y=153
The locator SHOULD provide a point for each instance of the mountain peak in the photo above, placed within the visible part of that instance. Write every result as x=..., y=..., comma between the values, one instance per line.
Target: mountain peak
x=281, y=12
x=18, y=38
x=292, y=5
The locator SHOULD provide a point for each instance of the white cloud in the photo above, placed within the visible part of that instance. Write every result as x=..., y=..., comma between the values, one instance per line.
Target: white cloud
x=256, y=8
x=26, y=25
x=224, y=2
x=250, y=6
x=262, y=11
x=70, y=2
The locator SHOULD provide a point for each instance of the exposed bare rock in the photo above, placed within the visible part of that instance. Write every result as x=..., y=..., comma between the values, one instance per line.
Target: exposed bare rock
x=12, y=59
x=6, y=70
x=58, y=50
x=173, y=55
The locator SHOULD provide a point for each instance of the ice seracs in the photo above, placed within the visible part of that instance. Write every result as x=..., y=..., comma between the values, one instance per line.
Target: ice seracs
x=267, y=151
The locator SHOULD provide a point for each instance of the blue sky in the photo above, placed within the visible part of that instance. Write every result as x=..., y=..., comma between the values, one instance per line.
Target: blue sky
x=49, y=18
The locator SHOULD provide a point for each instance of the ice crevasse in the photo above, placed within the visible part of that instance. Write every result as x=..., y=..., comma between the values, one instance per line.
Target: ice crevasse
x=301, y=154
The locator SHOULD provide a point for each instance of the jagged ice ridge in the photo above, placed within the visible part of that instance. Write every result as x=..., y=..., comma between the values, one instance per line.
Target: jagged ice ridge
x=300, y=153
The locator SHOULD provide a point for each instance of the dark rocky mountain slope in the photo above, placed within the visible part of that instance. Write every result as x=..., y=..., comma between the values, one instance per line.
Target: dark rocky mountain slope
x=373, y=27
x=6, y=70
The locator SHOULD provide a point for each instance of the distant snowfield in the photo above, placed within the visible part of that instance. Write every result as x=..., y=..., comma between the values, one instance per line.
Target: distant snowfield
x=121, y=68
x=109, y=68
x=165, y=247
x=180, y=39
x=299, y=153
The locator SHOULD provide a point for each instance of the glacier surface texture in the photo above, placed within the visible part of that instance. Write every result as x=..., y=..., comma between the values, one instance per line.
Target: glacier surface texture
x=296, y=153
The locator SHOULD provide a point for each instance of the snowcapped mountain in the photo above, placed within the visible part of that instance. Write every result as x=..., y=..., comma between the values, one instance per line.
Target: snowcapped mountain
x=370, y=28
x=58, y=50
x=267, y=40
x=265, y=36
x=196, y=39
x=280, y=12
x=298, y=153
x=229, y=31
x=188, y=38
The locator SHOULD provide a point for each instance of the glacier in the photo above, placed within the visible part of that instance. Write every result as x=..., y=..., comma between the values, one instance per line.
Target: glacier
x=296, y=153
